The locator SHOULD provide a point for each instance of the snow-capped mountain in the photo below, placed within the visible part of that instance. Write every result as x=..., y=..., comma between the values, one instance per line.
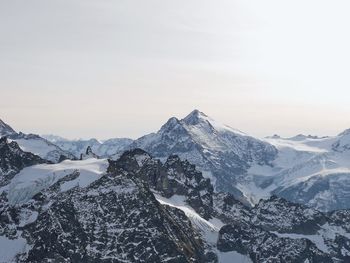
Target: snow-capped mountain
x=309, y=170
x=35, y=144
x=178, y=195
x=5, y=129
x=101, y=148
x=221, y=153
x=306, y=169
x=138, y=209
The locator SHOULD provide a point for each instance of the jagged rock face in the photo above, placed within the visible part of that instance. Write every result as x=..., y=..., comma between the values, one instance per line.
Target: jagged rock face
x=263, y=246
x=88, y=154
x=216, y=149
x=174, y=177
x=341, y=218
x=292, y=218
x=228, y=209
x=13, y=159
x=305, y=233
x=115, y=219
x=276, y=230
x=199, y=189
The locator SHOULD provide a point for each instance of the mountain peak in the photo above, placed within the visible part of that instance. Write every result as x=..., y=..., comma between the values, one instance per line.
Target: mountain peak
x=5, y=129
x=194, y=117
x=170, y=124
x=89, y=154
x=198, y=117
x=198, y=113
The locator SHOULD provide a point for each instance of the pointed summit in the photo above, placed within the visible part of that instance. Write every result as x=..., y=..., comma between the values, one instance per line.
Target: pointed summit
x=194, y=117
x=197, y=117
x=6, y=129
x=88, y=150
x=197, y=113
x=89, y=154
x=170, y=124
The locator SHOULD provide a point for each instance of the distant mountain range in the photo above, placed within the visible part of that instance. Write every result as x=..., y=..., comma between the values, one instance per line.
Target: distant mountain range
x=140, y=209
x=304, y=169
x=102, y=148
x=195, y=191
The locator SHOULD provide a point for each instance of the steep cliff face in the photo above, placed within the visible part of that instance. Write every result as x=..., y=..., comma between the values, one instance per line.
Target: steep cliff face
x=174, y=177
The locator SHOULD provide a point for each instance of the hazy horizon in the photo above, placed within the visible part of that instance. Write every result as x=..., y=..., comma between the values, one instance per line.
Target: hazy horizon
x=87, y=69
x=95, y=137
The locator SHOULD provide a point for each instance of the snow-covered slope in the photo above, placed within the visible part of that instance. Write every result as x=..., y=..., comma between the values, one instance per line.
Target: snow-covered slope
x=40, y=146
x=35, y=144
x=221, y=153
x=101, y=148
x=208, y=229
x=310, y=170
x=5, y=129
x=33, y=179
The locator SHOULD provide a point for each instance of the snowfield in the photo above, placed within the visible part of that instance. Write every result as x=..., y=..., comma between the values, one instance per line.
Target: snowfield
x=309, y=170
x=10, y=248
x=32, y=180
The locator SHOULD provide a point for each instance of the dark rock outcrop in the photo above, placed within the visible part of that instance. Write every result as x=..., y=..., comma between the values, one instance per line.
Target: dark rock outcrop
x=13, y=159
x=174, y=177
x=263, y=246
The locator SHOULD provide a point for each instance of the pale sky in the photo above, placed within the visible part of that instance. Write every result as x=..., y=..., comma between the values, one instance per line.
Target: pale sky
x=121, y=68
